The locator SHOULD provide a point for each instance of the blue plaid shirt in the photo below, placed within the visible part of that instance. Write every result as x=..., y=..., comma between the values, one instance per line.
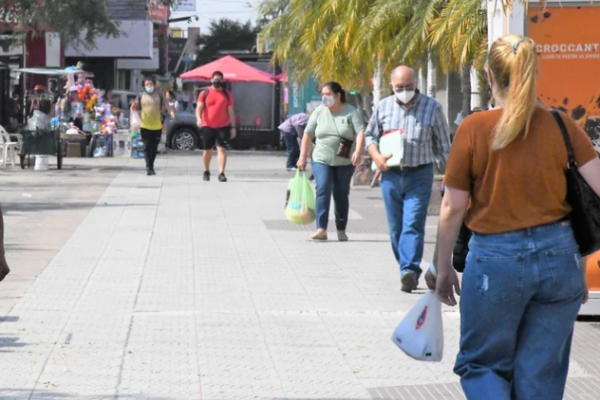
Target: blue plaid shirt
x=425, y=129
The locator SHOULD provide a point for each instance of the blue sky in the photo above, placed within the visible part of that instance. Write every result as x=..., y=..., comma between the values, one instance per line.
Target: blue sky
x=207, y=10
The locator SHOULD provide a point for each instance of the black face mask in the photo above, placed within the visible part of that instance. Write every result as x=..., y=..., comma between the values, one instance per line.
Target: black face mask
x=218, y=84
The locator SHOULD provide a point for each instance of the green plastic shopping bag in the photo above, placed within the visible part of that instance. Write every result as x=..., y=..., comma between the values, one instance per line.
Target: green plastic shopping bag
x=300, y=208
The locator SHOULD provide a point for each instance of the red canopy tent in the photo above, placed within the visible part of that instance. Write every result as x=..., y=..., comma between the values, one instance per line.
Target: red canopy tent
x=281, y=77
x=233, y=70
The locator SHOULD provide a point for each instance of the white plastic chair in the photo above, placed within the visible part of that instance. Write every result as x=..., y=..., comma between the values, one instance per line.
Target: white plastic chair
x=9, y=149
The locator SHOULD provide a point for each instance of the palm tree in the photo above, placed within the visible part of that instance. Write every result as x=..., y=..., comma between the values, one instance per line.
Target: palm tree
x=353, y=40
x=459, y=36
x=271, y=9
x=319, y=37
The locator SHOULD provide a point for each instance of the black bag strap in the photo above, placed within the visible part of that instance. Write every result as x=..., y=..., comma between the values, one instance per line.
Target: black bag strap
x=565, y=134
x=335, y=124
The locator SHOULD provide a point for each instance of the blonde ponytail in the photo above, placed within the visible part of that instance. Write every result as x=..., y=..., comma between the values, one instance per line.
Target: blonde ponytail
x=513, y=63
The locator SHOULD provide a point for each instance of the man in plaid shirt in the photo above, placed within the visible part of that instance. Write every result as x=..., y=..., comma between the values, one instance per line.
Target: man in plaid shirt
x=407, y=188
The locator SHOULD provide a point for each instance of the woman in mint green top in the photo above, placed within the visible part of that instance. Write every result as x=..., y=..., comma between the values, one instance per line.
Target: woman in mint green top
x=340, y=137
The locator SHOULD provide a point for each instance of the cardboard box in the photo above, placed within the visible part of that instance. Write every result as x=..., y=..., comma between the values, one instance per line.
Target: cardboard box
x=122, y=145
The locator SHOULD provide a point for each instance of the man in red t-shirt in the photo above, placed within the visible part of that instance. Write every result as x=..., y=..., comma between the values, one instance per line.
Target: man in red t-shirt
x=216, y=118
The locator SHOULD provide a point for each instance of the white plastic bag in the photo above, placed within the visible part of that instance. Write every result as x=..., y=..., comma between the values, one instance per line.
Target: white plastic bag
x=421, y=333
x=135, y=121
x=162, y=146
x=38, y=122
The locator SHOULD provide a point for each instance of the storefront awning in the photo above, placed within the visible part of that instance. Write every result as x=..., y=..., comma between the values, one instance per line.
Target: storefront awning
x=51, y=71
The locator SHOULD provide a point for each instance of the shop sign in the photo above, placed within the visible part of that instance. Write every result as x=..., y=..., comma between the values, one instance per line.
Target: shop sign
x=9, y=17
x=157, y=13
x=563, y=51
x=184, y=6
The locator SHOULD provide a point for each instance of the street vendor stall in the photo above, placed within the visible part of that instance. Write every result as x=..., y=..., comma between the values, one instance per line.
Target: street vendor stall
x=80, y=123
x=43, y=134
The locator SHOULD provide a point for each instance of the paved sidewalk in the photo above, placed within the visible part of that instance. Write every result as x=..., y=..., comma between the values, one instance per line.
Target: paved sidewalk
x=41, y=212
x=173, y=288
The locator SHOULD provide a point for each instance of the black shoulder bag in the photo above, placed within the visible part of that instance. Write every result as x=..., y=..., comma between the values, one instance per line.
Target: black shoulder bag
x=461, y=247
x=585, y=217
x=345, y=147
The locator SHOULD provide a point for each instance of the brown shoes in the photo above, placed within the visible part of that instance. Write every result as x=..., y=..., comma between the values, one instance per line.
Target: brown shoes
x=409, y=282
x=320, y=236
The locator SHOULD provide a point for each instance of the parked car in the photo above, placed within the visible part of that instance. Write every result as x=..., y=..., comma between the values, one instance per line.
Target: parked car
x=182, y=134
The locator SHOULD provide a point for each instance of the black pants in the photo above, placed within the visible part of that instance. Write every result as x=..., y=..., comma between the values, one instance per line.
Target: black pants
x=151, y=140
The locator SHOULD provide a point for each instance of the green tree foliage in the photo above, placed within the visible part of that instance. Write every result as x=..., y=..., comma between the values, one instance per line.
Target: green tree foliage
x=225, y=35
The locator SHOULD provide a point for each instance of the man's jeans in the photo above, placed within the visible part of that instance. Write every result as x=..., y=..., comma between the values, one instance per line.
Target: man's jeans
x=406, y=196
x=292, y=148
x=521, y=292
x=334, y=180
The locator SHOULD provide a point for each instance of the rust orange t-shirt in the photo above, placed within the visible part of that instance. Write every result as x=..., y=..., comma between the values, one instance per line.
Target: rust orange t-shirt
x=522, y=185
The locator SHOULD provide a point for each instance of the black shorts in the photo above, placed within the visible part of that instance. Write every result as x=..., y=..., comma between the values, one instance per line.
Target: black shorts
x=215, y=137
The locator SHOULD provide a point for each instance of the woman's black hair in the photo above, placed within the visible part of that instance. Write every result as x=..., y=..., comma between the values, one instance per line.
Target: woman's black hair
x=149, y=78
x=337, y=88
x=172, y=94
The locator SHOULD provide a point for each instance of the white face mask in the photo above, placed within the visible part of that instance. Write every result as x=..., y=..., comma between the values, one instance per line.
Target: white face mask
x=328, y=101
x=405, y=96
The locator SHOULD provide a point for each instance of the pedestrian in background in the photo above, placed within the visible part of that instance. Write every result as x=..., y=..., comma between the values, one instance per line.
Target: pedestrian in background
x=524, y=280
x=407, y=188
x=4, y=270
x=339, y=131
x=172, y=99
x=152, y=104
x=292, y=130
x=216, y=117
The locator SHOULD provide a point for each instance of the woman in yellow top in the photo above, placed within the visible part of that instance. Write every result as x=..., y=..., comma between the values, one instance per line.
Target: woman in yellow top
x=153, y=103
x=524, y=280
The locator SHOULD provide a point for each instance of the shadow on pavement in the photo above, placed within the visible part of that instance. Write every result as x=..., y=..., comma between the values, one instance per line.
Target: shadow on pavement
x=38, y=185
x=9, y=342
x=54, y=395
x=13, y=248
x=39, y=206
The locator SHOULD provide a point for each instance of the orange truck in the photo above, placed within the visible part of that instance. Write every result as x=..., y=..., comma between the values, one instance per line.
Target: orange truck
x=569, y=79
x=593, y=280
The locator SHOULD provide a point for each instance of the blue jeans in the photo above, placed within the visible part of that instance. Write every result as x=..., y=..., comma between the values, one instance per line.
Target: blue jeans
x=521, y=292
x=334, y=180
x=292, y=149
x=406, y=196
